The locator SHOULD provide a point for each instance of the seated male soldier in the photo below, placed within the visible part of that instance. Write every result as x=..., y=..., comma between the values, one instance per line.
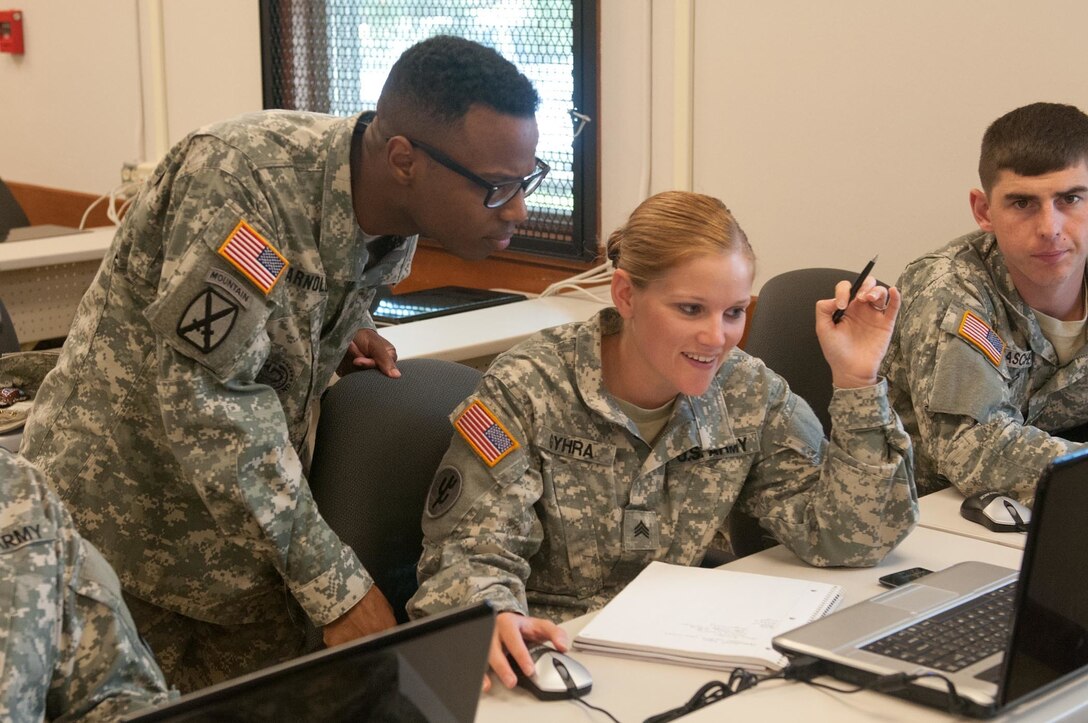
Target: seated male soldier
x=988, y=367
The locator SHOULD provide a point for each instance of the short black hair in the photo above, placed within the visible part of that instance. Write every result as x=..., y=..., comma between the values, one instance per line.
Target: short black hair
x=1033, y=140
x=437, y=80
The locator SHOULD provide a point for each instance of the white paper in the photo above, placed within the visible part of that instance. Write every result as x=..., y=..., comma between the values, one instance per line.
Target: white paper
x=706, y=617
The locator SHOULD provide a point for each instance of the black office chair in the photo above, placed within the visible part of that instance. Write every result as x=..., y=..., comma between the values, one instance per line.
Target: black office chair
x=11, y=213
x=379, y=442
x=782, y=332
x=9, y=341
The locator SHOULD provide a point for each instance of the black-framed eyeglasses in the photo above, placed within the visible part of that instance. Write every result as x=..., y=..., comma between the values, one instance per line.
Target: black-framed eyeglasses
x=497, y=193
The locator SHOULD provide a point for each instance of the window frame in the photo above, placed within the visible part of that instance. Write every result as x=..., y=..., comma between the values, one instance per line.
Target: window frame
x=580, y=237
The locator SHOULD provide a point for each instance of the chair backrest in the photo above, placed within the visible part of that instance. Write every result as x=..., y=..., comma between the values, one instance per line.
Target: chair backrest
x=11, y=213
x=782, y=332
x=9, y=342
x=379, y=442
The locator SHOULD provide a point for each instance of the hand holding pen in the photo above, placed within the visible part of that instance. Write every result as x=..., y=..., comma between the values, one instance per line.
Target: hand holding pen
x=854, y=350
x=854, y=287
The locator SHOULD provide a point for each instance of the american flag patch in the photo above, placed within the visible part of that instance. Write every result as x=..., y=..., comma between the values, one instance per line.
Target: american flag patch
x=251, y=254
x=485, y=433
x=979, y=333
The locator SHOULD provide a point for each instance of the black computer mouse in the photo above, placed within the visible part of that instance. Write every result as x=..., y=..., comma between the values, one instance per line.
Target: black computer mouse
x=996, y=511
x=557, y=676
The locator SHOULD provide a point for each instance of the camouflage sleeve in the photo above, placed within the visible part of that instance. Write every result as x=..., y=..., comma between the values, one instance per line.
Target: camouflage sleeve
x=228, y=432
x=969, y=427
x=844, y=502
x=479, y=524
x=68, y=648
x=231, y=439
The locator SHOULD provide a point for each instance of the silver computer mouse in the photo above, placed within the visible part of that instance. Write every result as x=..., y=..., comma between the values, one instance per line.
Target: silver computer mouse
x=996, y=511
x=557, y=676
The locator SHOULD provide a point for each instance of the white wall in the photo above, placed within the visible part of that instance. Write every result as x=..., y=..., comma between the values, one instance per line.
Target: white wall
x=71, y=103
x=843, y=128
x=834, y=129
x=82, y=99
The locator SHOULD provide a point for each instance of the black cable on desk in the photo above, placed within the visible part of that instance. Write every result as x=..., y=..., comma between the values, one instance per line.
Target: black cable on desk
x=804, y=668
x=739, y=681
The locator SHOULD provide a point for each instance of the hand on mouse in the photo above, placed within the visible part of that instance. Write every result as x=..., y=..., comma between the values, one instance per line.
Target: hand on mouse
x=512, y=630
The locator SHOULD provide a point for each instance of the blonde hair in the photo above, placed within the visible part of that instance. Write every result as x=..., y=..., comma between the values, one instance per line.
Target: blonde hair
x=670, y=227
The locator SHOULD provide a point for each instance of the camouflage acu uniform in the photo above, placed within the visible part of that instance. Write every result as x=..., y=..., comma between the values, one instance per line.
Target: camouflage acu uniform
x=175, y=416
x=548, y=502
x=981, y=411
x=68, y=648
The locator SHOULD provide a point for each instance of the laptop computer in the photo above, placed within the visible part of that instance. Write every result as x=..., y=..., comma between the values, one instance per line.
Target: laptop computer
x=427, y=670
x=390, y=308
x=1042, y=643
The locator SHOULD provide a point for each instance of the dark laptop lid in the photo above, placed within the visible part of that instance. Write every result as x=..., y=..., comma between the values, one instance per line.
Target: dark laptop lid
x=1050, y=629
x=390, y=308
x=428, y=670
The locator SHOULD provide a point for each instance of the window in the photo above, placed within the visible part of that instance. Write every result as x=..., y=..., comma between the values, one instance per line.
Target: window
x=333, y=56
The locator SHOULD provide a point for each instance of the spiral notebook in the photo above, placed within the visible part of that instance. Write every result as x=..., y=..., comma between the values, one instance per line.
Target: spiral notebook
x=709, y=618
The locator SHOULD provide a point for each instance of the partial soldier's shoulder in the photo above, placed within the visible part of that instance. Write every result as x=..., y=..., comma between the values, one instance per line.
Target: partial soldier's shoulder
x=274, y=137
x=27, y=505
x=741, y=368
x=544, y=354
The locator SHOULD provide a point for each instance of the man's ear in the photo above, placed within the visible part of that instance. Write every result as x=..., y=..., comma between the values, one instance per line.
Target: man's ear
x=980, y=208
x=623, y=291
x=402, y=159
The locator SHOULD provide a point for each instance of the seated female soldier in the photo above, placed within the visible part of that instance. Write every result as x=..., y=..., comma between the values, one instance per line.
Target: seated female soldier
x=594, y=448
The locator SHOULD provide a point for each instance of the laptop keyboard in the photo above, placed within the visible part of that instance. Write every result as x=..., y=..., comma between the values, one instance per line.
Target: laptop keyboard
x=957, y=637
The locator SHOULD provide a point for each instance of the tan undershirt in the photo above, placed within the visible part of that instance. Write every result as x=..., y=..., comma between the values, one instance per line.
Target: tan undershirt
x=650, y=422
x=1067, y=337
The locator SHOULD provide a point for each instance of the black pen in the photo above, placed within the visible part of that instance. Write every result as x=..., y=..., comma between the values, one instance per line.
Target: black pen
x=837, y=316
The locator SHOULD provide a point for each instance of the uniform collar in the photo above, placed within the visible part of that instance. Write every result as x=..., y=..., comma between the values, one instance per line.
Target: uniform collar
x=342, y=241
x=998, y=270
x=1020, y=314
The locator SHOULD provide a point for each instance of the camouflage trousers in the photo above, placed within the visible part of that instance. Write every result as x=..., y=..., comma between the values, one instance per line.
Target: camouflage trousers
x=194, y=654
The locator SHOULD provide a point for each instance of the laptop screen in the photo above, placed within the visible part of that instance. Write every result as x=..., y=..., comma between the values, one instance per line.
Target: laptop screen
x=429, y=670
x=1050, y=635
x=389, y=308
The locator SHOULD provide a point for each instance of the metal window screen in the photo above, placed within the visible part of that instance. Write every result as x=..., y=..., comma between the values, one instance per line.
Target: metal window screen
x=333, y=57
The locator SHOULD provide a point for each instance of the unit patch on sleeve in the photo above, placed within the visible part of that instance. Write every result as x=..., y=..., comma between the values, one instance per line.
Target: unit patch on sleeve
x=980, y=335
x=250, y=253
x=485, y=433
x=445, y=489
x=276, y=372
x=208, y=319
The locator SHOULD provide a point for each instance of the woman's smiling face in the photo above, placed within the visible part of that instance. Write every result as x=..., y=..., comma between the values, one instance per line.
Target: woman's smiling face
x=679, y=327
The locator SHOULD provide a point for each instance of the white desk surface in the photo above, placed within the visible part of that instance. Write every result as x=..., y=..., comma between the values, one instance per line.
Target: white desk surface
x=941, y=511
x=485, y=332
x=633, y=690
x=42, y=279
x=90, y=245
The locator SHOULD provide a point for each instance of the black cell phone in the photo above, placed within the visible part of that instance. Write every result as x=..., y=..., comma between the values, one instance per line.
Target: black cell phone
x=902, y=577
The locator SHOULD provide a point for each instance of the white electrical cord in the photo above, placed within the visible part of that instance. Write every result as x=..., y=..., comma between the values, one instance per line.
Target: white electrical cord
x=595, y=278
x=124, y=192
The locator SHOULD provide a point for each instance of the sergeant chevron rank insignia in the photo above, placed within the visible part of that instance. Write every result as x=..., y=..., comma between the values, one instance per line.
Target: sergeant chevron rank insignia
x=640, y=530
x=208, y=320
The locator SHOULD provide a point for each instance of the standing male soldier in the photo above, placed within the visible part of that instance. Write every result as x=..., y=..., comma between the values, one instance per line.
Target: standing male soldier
x=988, y=363
x=174, y=418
